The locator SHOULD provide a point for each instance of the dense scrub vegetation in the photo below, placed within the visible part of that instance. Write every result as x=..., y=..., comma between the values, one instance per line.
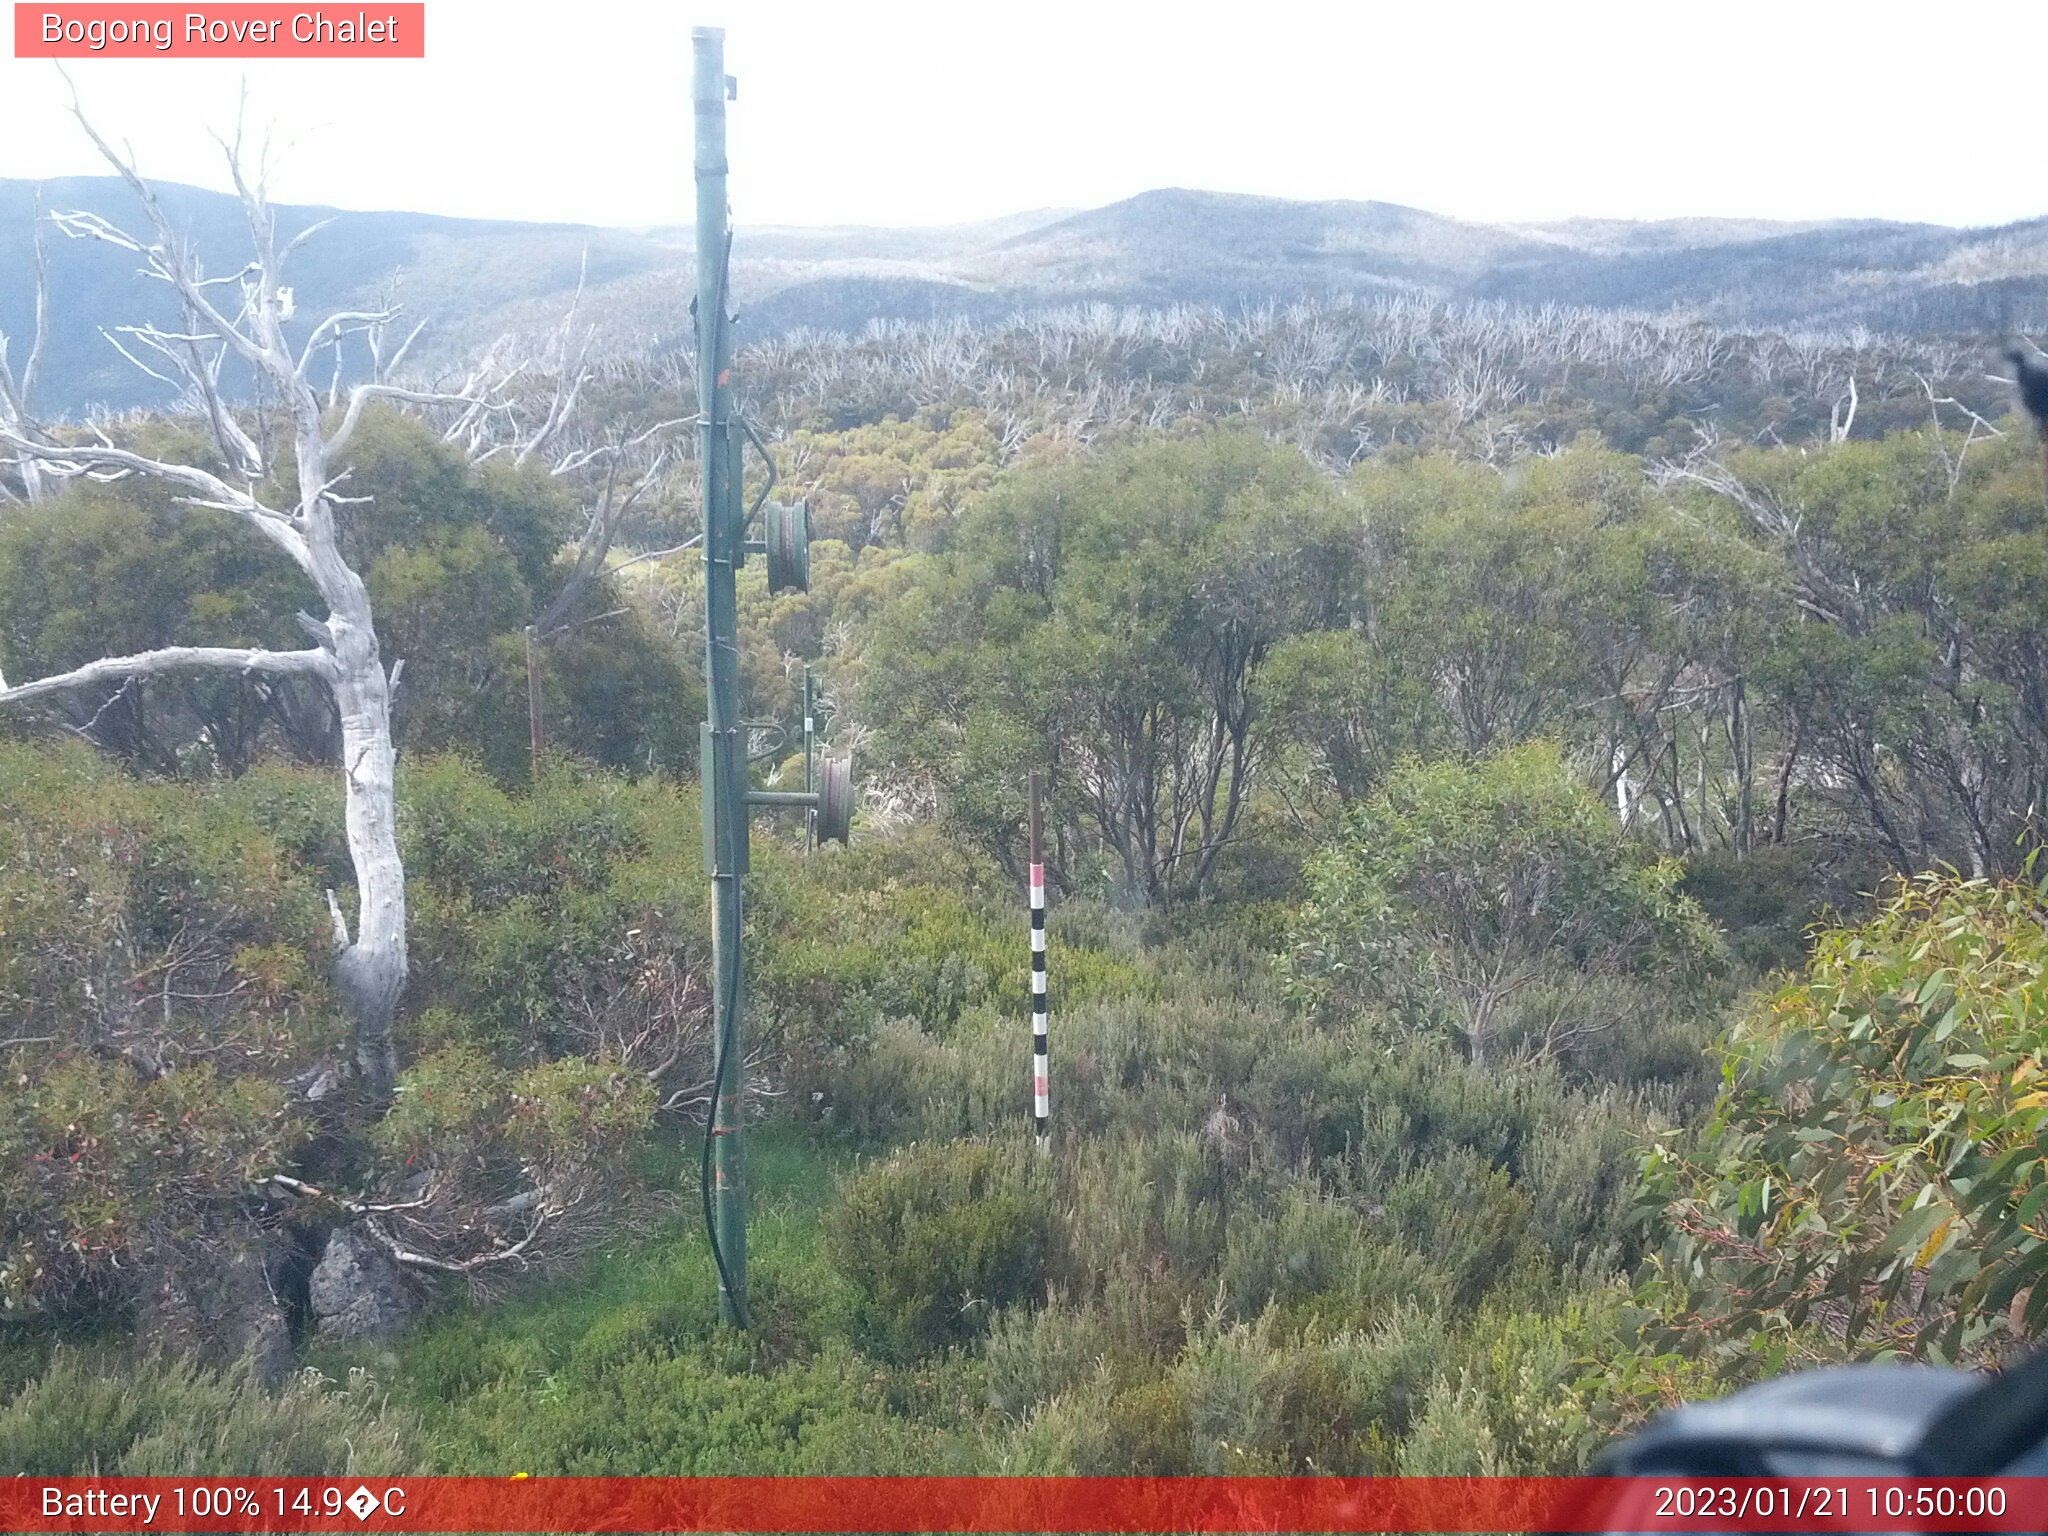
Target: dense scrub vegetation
x=1533, y=940
x=1264, y=1242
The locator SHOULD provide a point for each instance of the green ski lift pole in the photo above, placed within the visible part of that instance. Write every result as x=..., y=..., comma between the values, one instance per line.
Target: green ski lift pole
x=723, y=769
x=723, y=756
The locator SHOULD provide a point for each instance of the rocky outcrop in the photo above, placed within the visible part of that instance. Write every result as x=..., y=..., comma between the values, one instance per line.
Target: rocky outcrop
x=357, y=1291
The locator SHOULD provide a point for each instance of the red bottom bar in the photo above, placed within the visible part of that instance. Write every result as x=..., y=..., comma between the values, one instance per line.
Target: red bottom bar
x=1049, y=1504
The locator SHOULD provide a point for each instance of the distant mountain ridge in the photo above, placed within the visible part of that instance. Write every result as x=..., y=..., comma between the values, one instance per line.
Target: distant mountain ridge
x=475, y=278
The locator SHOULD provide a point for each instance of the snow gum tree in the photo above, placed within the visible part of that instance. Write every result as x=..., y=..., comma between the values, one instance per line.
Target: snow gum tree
x=235, y=324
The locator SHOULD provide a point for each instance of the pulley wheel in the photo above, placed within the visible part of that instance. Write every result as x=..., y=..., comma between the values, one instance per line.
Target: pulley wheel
x=787, y=533
x=835, y=799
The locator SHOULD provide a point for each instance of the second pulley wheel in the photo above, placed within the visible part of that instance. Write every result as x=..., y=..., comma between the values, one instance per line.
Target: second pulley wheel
x=835, y=799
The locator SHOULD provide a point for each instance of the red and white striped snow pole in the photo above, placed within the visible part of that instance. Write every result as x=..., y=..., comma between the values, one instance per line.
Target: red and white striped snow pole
x=1041, y=1082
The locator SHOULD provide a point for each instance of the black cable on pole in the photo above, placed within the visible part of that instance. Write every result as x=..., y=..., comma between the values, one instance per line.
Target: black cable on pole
x=718, y=1069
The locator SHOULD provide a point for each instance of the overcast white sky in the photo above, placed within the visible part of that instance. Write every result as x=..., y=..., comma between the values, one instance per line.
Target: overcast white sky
x=872, y=111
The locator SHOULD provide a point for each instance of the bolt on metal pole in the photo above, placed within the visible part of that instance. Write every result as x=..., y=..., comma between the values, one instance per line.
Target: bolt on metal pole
x=723, y=772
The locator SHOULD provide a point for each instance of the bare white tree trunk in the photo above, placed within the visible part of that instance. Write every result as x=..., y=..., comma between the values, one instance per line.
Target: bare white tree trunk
x=17, y=390
x=370, y=969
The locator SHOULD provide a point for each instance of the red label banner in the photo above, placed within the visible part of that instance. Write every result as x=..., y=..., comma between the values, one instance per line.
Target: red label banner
x=1049, y=1504
x=230, y=31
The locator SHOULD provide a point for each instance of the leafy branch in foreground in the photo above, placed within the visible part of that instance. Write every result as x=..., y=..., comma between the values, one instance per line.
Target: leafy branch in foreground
x=1873, y=1179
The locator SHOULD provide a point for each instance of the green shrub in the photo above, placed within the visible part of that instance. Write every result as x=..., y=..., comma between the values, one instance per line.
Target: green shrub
x=1233, y=1380
x=938, y=1238
x=162, y=970
x=1387, y=1369
x=700, y=1412
x=1531, y=1369
x=1058, y=1438
x=1148, y=1432
x=1474, y=1223
x=1488, y=901
x=90, y=1416
x=1453, y=1438
x=1765, y=900
x=1037, y=1353
x=98, y=1167
x=558, y=922
x=1262, y=1404
x=908, y=928
x=164, y=954
x=1291, y=1251
x=1149, y=1211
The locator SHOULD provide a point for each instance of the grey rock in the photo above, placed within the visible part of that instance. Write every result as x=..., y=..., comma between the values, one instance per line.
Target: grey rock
x=357, y=1291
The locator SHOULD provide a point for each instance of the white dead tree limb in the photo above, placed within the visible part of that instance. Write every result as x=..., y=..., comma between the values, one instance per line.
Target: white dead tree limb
x=633, y=465
x=1978, y=430
x=567, y=365
x=241, y=318
x=1842, y=414
x=17, y=390
x=175, y=658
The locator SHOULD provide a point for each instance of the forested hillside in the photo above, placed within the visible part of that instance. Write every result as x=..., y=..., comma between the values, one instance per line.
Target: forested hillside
x=477, y=280
x=1542, y=816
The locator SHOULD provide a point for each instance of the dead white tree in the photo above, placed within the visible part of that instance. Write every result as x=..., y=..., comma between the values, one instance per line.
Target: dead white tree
x=17, y=390
x=1842, y=414
x=240, y=317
